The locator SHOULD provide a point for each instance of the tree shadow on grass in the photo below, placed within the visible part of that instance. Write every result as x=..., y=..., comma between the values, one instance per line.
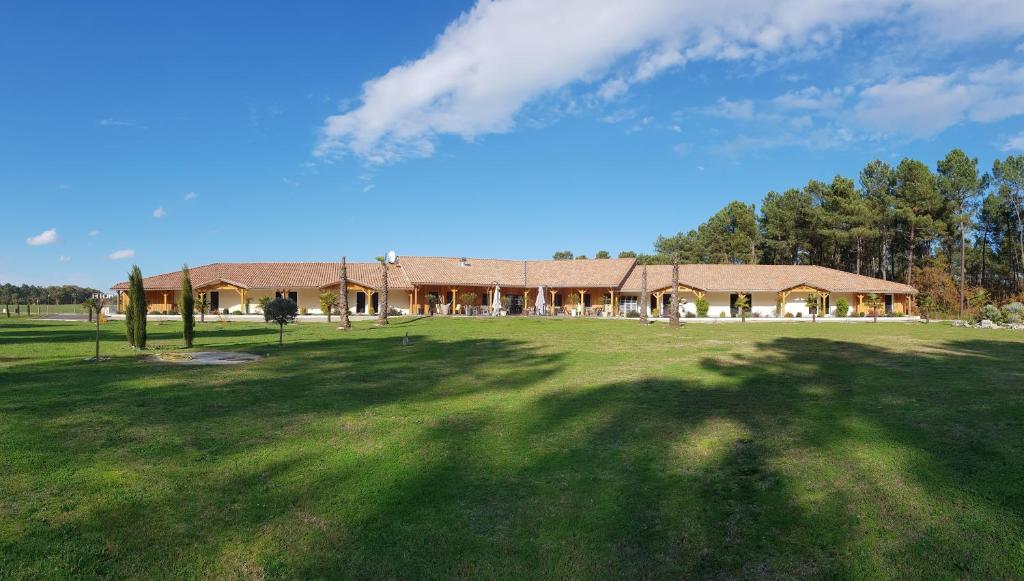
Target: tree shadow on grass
x=798, y=457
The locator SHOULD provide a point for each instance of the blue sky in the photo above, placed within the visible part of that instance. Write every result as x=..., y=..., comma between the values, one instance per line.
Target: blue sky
x=232, y=132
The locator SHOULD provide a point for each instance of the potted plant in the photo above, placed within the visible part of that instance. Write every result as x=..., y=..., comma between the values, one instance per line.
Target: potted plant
x=467, y=300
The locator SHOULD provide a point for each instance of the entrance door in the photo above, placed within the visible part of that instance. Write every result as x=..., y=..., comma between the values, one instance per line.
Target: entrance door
x=214, y=301
x=515, y=304
x=888, y=304
x=375, y=301
x=361, y=302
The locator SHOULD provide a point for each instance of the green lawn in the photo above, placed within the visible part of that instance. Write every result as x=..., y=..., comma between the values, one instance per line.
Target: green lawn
x=516, y=448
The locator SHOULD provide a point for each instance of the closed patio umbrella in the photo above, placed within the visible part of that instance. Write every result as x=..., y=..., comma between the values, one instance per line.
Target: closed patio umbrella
x=539, y=303
x=496, y=301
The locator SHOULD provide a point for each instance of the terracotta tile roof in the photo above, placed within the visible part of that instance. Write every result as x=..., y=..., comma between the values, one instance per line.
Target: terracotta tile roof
x=272, y=275
x=609, y=273
x=603, y=272
x=761, y=277
x=440, y=270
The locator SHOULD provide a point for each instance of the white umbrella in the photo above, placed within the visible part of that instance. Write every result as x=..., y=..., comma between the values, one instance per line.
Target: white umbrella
x=496, y=301
x=539, y=303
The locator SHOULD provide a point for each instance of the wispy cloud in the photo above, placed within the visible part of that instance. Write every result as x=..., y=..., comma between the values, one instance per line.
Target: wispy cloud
x=477, y=78
x=159, y=212
x=64, y=258
x=128, y=123
x=925, y=105
x=63, y=187
x=191, y=196
x=1015, y=143
x=43, y=238
x=121, y=254
x=94, y=232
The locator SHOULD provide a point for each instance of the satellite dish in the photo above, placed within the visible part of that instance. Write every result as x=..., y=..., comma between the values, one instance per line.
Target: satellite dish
x=391, y=257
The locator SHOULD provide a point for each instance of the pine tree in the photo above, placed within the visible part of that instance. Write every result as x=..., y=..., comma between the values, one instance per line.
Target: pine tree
x=187, y=307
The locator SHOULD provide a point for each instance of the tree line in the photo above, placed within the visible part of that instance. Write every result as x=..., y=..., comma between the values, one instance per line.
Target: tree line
x=951, y=230
x=66, y=294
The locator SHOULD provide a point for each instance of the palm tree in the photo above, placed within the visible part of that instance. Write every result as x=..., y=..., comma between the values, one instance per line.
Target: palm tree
x=742, y=304
x=88, y=305
x=202, y=303
x=673, y=316
x=328, y=301
x=343, y=293
x=382, y=316
x=812, y=304
x=873, y=301
x=645, y=303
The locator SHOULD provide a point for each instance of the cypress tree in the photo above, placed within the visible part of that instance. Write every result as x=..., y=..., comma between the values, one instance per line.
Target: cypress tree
x=188, y=305
x=137, y=294
x=129, y=312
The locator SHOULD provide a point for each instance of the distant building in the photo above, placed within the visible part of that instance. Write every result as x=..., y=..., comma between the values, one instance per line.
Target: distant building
x=600, y=287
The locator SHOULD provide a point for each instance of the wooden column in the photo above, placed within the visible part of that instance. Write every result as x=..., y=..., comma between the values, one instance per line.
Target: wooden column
x=165, y=302
x=657, y=303
x=583, y=292
x=241, y=302
x=454, y=292
x=611, y=303
x=551, y=305
x=526, y=300
x=416, y=300
x=860, y=303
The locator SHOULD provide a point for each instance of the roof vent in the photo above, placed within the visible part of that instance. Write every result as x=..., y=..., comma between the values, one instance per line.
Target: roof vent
x=463, y=261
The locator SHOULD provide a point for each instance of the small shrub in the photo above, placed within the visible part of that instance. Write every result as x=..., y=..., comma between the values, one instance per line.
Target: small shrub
x=236, y=312
x=633, y=314
x=702, y=307
x=991, y=313
x=224, y=312
x=721, y=315
x=842, y=308
x=394, y=312
x=1013, y=313
x=691, y=315
x=862, y=314
x=788, y=315
x=305, y=311
x=799, y=315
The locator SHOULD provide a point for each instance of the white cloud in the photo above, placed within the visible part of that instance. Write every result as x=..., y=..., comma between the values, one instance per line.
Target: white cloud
x=159, y=212
x=742, y=109
x=94, y=232
x=121, y=254
x=1015, y=143
x=923, y=106
x=499, y=57
x=812, y=98
x=191, y=196
x=43, y=238
x=64, y=258
x=107, y=122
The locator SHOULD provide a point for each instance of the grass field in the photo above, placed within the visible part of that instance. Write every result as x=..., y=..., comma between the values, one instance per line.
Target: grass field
x=516, y=448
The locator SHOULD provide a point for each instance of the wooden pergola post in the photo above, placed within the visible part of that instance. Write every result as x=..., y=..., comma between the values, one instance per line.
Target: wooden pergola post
x=551, y=305
x=611, y=304
x=454, y=304
x=582, y=293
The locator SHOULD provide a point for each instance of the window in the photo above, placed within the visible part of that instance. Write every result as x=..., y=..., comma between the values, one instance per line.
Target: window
x=586, y=300
x=628, y=304
x=293, y=297
x=558, y=300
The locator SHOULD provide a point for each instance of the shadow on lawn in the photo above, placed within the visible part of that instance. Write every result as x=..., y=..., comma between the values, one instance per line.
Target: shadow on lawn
x=799, y=457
